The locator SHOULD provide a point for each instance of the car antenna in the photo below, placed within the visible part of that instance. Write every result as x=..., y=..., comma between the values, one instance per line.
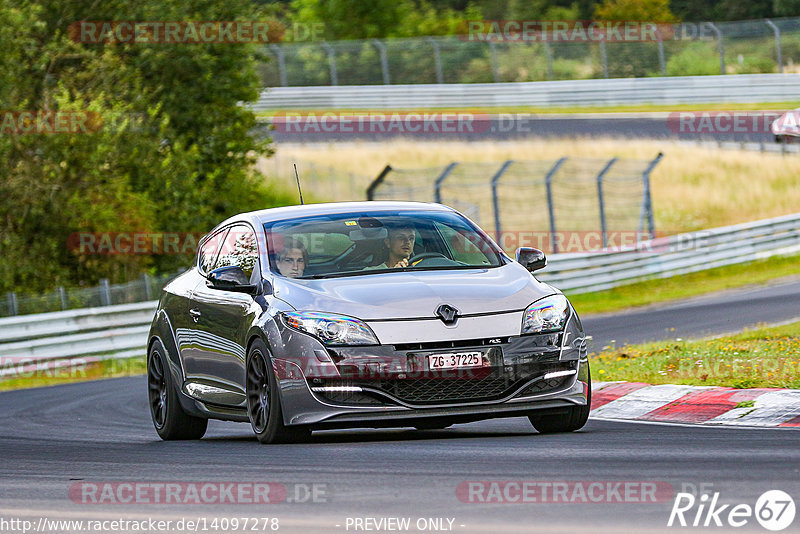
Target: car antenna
x=297, y=177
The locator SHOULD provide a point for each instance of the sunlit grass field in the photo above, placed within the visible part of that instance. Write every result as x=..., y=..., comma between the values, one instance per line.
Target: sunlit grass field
x=693, y=187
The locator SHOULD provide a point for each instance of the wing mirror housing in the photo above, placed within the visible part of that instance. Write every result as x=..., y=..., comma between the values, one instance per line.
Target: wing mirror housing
x=233, y=278
x=532, y=259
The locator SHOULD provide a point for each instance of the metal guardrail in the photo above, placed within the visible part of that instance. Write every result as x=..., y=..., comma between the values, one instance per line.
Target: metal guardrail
x=114, y=332
x=673, y=255
x=619, y=91
x=89, y=334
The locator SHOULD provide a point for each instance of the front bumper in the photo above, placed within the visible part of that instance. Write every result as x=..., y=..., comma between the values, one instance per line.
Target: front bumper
x=391, y=385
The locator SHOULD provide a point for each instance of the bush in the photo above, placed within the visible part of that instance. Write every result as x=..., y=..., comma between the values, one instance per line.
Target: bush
x=697, y=59
x=753, y=64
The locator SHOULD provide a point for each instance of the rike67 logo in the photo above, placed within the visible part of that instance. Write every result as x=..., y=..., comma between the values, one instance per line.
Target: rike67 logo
x=774, y=510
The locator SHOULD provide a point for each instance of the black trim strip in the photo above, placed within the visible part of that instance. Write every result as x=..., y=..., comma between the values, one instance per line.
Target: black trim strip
x=465, y=316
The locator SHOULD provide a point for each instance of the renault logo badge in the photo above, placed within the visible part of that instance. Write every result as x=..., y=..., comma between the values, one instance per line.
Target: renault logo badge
x=447, y=314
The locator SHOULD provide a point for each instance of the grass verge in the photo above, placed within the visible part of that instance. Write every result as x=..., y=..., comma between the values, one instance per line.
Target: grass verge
x=766, y=357
x=660, y=290
x=79, y=373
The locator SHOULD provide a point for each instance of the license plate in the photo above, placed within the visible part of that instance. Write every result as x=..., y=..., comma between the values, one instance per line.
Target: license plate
x=455, y=360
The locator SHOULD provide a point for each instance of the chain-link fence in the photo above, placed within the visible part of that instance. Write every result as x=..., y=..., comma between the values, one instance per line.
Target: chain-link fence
x=141, y=290
x=548, y=202
x=745, y=47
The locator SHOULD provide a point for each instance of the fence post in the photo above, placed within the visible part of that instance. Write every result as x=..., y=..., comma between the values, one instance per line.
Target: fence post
x=62, y=295
x=493, y=54
x=384, y=60
x=437, y=60
x=548, y=180
x=13, y=308
x=377, y=181
x=278, y=51
x=777, y=32
x=496, y=201
x=331, y=62
x=604, y=57
x=720, y=46
x=662, y=63
x=548, y=53
x=105, y=292
x=437, y=188
x=148, y=294
x=601, y=201
x=648, y=200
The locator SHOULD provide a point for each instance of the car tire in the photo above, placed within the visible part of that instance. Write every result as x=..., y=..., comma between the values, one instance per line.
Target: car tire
x=169, y=419
x=573, y=420
x=263, y=400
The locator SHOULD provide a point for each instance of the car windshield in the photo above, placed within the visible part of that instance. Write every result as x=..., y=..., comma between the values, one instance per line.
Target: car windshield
x=365, y=243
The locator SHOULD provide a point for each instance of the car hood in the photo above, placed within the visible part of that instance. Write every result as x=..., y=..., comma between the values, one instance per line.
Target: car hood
x=405, y=295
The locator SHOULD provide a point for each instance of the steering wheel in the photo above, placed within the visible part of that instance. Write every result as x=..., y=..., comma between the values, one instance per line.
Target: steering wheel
x=424, y=256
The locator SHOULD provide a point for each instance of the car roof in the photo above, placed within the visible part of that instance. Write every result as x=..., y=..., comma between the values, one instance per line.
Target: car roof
x=287, y=212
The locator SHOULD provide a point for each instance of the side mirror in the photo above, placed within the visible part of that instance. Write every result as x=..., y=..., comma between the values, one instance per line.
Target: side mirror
x=532, y=259
x=232, y=278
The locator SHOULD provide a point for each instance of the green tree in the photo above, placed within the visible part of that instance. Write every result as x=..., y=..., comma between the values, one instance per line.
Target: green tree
x=377, y=19
x=641, y=10
x=174, y=153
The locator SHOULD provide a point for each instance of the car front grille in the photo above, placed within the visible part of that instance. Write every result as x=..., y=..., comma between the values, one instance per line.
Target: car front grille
x=433, y=390
x=426, y=391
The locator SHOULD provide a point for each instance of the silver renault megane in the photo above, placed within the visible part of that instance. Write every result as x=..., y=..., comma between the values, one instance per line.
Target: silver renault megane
x=362, y=314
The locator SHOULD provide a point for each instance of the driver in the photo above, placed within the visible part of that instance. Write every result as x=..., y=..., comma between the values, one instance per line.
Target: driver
x=292, y=259
x=400, y=242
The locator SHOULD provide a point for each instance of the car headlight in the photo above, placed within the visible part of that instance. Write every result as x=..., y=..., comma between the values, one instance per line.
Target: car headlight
x=545, y=315
x=331, y=329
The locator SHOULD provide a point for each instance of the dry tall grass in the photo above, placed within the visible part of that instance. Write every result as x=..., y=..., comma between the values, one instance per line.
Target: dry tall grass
x=693, y=187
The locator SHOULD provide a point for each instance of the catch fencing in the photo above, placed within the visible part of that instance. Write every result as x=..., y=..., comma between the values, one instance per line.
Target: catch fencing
x=563, y=195
x=145, y=288
x=685, y=49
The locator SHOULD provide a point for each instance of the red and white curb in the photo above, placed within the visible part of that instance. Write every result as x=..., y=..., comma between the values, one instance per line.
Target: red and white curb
x=708, y=405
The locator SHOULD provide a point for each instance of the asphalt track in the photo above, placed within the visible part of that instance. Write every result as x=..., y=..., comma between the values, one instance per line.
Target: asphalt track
x=53, y=438
x=475, y=127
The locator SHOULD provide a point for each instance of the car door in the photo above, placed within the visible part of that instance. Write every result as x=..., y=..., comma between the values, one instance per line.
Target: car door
x=222, y=320
x=185, y=318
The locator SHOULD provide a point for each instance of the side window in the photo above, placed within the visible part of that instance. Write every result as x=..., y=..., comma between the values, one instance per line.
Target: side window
x=207, y=254
x=461, y=248
x=239, y=248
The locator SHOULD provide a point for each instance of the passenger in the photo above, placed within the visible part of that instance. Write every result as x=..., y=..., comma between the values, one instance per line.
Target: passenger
x=292, y=260
x=400, y=242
